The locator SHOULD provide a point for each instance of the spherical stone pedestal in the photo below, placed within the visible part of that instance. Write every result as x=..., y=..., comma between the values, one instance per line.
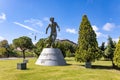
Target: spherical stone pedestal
x=51, y=57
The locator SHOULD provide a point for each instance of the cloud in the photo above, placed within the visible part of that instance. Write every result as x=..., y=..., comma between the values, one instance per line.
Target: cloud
x=1, y=38
x=95, y=28
x=116, y=39
x=46, y=19
x=27, y=27
x=2, y=17
x=108, y=26
x=73, y=31
x=34, y=22
x=99, y=34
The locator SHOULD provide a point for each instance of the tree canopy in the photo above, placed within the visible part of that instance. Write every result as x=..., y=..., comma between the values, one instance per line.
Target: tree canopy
x=23, y=43
x=39, y=46
x=4, y=43
x=4, y=48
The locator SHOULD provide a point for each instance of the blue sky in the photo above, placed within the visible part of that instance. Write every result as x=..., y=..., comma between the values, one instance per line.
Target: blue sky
x=31, y=17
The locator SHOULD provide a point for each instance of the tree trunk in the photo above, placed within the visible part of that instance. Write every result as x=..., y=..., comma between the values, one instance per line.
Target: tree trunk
x=7, y=54
x=113, y=65
x=23, y=54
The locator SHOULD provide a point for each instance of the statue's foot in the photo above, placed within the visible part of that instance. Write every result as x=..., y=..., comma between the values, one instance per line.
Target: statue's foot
x=51, y=46
x=47, y=45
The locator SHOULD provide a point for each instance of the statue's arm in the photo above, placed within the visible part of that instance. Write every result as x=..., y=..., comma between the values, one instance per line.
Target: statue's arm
x=47, y=28
x=58, y=27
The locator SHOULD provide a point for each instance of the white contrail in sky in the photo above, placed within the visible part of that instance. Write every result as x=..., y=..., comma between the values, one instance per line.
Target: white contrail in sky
x=27, y=27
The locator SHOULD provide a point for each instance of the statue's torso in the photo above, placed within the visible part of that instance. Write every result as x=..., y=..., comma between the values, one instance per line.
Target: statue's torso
x=53, y=27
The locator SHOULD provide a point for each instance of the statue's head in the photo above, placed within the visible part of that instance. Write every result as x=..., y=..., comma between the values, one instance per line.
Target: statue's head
x=52, y=19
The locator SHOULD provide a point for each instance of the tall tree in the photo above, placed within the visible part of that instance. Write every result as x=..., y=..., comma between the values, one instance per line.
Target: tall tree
x=109, y=51
x=87, y=50
x=117, y=54
x=102, y=48
x=23, y=43
x=4, y=47
x=3, y=52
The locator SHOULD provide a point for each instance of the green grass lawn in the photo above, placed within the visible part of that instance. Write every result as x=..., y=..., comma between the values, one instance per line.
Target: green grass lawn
x=101, y=70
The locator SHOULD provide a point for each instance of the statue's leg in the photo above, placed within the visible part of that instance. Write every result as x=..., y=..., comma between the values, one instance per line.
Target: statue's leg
x=50, y=40
x=53, y=39
x=47, y=41
x=55, y=35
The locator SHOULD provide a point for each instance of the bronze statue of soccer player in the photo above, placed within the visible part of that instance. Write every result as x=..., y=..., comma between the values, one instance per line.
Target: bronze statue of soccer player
x=53, y=33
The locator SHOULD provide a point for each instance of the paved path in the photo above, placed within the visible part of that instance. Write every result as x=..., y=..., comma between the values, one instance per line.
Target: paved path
x=11, y=58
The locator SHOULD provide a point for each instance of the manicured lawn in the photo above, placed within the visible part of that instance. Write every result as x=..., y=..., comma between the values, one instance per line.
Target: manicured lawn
x=101, y=70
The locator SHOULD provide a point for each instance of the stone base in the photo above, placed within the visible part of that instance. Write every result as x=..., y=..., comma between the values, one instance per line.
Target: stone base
x=51, y=57
x=21, y=66
x=88, y=64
